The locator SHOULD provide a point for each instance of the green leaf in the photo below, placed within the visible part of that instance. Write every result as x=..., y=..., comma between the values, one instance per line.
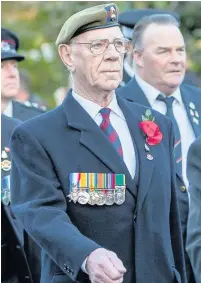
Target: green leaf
x=148, y=113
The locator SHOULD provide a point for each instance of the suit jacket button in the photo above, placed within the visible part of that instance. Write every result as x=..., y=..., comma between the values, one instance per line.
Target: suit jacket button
x=183, y=189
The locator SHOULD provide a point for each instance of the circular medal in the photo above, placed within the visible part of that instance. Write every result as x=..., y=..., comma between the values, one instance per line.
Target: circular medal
x=101, y=198
x=110, y=198
x=83, y=197
x=6, y=165
x=119, y=196
x=149, y=157
x=93, y=198
x=74, y=195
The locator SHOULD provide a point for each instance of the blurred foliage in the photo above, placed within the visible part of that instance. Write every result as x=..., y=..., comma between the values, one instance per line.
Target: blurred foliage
x=38, y=23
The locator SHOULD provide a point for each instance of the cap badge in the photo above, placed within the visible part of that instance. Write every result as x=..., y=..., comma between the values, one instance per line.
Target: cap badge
x=6, y=47
x=111, y=14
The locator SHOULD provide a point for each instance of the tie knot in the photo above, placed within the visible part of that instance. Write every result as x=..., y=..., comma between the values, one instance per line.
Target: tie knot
x=168, y=100
x=105, y=113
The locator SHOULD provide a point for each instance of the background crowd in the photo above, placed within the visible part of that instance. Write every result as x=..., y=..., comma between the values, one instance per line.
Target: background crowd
x=37, y=25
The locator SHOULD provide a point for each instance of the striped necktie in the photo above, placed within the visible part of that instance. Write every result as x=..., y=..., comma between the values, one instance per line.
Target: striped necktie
x=110, y=132
x=177, y=146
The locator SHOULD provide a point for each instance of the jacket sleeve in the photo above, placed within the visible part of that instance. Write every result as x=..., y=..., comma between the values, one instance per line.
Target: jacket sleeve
x=175, y=223
x=38, y=201
x=193, y=243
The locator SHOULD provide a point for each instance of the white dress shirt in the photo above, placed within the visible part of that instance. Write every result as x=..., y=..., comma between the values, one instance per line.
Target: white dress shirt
x=179, y=111
x=9, y=109
x=118, y=122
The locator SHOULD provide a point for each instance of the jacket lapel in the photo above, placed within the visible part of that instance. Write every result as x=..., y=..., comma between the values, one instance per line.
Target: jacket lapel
x=189, y=105
x=94, y=139
x=134, y=93
x=146, y=166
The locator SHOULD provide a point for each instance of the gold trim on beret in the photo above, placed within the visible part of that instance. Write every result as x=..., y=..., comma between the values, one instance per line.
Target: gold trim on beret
x=101, y=16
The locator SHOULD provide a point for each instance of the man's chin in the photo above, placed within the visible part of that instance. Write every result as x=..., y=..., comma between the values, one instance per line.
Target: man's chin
x=10, y=95
x=111, y=85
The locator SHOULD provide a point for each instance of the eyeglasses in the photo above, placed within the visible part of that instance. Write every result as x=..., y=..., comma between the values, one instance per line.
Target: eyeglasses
x=99, y=46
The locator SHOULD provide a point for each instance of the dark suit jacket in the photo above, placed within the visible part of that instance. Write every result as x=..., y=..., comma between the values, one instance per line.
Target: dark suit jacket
x=133, y=92
x=48, y=148
x=14, y=264
x=23, y=112
x=193, y=243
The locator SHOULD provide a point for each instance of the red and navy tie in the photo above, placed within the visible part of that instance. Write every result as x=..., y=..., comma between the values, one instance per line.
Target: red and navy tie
x=110, y=132
x=177, y=146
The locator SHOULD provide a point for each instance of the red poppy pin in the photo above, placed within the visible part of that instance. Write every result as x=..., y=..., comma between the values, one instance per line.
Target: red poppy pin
x=150, y=129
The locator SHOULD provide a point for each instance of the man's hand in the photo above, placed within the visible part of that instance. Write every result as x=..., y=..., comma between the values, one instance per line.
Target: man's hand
x=104, y=266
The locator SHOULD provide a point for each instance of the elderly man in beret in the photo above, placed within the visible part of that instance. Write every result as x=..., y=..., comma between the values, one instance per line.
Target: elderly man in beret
x=93, y=180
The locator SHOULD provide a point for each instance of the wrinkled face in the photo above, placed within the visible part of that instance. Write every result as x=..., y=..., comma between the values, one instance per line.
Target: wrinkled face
x=102, y=72
x=163, y=58
x=10, y=81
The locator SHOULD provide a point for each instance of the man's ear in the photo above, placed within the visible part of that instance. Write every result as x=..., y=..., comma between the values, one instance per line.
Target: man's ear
x=65, y=55
x=138, y=58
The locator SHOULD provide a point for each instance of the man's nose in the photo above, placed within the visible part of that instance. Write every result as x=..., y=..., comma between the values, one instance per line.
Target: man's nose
x=176, y=57
x=111, y=53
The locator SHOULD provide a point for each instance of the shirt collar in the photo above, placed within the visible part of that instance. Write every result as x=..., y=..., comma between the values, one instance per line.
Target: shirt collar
x=9, y=109
x=152, y=93
x=93, y=108
x=177, y=95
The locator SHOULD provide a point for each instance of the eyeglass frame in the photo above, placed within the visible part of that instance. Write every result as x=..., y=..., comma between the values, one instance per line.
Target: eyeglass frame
x=108, y=43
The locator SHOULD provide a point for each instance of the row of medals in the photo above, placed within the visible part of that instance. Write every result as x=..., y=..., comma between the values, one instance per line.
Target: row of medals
x=98, y=197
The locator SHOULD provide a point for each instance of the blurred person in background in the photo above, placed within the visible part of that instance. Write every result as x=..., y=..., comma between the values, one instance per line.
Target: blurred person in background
x=10, y=80
x=10, y=84
x=193, y=243
x=160, y=57
x=128, y=20
x=24, y=93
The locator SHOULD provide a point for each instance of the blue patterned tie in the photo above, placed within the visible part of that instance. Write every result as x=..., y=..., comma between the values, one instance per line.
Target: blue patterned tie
x=110, y=132
x=177, y=146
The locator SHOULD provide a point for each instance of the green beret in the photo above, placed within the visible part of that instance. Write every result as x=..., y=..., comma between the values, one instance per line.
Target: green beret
x=101, y=16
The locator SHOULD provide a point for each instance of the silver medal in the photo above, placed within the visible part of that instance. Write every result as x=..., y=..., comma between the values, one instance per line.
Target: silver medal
x=119, y=195
x=93, y=198
x=6, y=165
x=110, y=197
x=101, y=198
x=83, y=197
x=192, y=112
x=192, y=105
